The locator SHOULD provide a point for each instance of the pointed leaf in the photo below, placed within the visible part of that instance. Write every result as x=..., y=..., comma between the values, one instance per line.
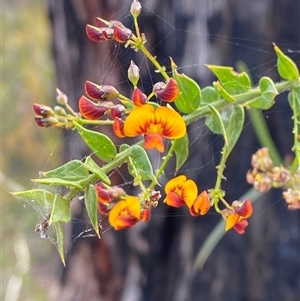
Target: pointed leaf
x=91, y=205
x=100, y=144
x=190, y=93
x=181, y=149
x=215, y=123
x=43, y=197
x=61, y=210
x=235, y=116
x=57, y=182
x=222, y=92
x=268, y=93
x=93, y=167
x=71, y=171
x=233, y=82
x=209, y=95
x=60, y=241
x=287, y=69
x=140, y=165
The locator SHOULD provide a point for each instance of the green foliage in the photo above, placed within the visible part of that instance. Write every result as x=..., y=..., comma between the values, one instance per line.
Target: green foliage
x=222, y=104
x=99, y=143
x=181, y=150
x=91, y=204
x=190, y=93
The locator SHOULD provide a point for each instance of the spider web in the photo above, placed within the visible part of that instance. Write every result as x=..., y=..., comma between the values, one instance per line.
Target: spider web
x=201, y=143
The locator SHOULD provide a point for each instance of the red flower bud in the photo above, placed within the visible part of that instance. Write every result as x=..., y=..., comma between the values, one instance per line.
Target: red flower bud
x=118, y=127
x=89, y=110
x=98, y=34
x=45, y=121
x=138, y=98
x=43, y=110
x=104, y=208
x=117, y=111
x=122, y=35
x=166, y=92
x=101, y=22
x=102, y=92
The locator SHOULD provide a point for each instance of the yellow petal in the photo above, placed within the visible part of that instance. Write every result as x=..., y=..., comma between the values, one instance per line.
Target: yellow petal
x=173, y=124
x=138, y=121
x=189, y=192
x=174, y=183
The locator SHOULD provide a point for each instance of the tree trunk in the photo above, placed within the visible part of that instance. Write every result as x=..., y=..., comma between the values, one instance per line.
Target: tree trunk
x=154, y=261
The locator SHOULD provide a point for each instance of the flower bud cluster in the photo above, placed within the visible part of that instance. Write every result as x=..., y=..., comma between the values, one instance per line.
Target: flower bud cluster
x=46, y=116
x=264, y=174
x=100, y=103
x=108, y=30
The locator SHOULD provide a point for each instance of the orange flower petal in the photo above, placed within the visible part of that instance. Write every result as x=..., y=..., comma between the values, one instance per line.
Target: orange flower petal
x=125, y=213
x=245, y=210
x=145, y=214
x=232, y=220
x=138, y=120
x=189, y=192
x=167, y=92
x=202, y=203
x=118, y=127
x=174, y=200
x=154, y=141
x=240, y=226
x=174, y=183
x=138, y=98
x=172, y=123
x=89, y=110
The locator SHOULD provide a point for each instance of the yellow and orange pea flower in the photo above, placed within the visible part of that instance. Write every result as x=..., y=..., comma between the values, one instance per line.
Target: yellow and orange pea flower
x=125, y=213
x=181, y=191
x=236, y=217
x=154, y=124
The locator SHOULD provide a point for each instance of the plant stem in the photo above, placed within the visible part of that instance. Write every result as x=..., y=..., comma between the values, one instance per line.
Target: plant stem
x=161, y=169
x=153, y=60
x=263, y=134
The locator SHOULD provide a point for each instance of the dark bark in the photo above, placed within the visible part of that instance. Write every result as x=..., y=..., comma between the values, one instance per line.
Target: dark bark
x=155, y=261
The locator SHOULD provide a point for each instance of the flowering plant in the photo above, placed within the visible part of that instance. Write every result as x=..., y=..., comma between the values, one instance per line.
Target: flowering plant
x=182, y=102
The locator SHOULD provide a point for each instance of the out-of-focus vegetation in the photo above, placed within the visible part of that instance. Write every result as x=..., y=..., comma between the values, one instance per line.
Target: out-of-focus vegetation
x=27, y=77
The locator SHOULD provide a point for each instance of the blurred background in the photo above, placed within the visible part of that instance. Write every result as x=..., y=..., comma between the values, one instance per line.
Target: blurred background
x=44, y=46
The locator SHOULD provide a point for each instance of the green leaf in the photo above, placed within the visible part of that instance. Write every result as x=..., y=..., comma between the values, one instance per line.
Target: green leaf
x=57, y=182
x=209, y=95
x=71, y=171
x=233, y=82
x=190, y=93
x=43, y=197
x=215, y=123
x=91, y=205
x=222, y=92
x=61, y=210
x=268, y=93
x=60, y=241
x=181, y=149
x=93, y=167
x=139, y=165
x=234, y=122
x=287, y=69
x=100, y=144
